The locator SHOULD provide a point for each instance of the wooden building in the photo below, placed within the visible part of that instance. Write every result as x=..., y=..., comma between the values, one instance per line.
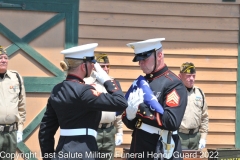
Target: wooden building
x=205, y=32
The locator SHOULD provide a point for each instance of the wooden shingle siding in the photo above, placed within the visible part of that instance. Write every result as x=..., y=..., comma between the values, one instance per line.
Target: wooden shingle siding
x=204, y=32
x=203, y=73
x=133, y=34
x=207, y=87
x=160, y=8
x=118, y=46
x=195, y=1
x=155, y=21
x=176, y=60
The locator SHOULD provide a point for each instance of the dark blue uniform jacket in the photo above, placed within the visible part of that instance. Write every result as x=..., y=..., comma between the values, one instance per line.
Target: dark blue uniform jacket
x=72, y=105
x=172, y=95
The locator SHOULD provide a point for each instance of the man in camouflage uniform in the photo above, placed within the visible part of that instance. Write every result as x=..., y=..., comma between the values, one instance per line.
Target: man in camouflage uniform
x=110, y=124
x=194, y=127
x=12, y=107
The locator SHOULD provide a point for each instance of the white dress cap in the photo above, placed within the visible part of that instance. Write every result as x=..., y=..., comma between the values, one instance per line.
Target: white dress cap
x=147, y=45
x=80, y=52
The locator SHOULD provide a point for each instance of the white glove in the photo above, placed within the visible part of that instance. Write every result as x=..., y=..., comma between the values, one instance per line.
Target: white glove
x=118, y=139
x=19, y=136
x=134, y=99
x=202, y=144
x=100, y=74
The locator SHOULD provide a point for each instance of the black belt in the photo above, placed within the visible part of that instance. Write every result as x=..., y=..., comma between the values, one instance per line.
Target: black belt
x=8, y=127
x=191, y=131
x=188, y=131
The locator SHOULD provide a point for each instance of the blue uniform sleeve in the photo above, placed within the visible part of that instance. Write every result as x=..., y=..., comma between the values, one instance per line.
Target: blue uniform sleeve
x=48, y=128
x=129, y=124
x=114, y=100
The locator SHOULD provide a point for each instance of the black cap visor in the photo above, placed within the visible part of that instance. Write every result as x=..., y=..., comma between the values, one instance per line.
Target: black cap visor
x=90, y=59
x=85, y=59
x=143, y=55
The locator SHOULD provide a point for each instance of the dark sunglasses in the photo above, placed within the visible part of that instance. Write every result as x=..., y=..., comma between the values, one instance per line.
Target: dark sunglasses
x=103, y=66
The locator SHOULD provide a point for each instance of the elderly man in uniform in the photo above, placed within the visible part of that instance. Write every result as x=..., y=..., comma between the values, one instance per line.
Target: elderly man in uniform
x=110, y=123
x=194, y=127
x=155, y=133
x=76, y=107
x=12, y=107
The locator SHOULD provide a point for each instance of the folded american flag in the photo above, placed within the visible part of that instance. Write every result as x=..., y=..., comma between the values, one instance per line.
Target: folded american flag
x=149, y=98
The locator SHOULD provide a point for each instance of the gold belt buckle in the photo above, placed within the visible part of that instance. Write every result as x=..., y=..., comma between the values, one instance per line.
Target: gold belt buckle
x=168, y=146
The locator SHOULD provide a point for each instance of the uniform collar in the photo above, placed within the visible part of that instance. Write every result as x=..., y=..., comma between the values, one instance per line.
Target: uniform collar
x=7, y=74
x=157, y=73
x=72, y=77
x=192, y=90
x=2, y=75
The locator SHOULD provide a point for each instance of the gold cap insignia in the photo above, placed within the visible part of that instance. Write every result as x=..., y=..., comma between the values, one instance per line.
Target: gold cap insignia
x=101, y=58
x=2, y=50
x=187, y=67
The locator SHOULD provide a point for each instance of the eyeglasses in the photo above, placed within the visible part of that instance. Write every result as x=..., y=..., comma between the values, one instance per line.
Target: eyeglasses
x=103, y=66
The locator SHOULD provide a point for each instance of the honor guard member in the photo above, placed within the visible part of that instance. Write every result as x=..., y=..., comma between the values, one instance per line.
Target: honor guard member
x=12, y=107
x=147, y=124
x=110, y=124
x=76, y=107
x=194, y=127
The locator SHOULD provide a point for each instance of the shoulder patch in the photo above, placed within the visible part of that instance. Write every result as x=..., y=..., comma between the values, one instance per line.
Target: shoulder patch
x=173, y=99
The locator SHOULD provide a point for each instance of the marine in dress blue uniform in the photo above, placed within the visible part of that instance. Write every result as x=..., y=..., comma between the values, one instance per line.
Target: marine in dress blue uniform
x=110, y=123
x=146, y=123
x=76, y=107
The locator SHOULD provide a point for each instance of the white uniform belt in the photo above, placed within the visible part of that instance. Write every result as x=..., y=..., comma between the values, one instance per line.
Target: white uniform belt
x=78, y=132
x=152, y=129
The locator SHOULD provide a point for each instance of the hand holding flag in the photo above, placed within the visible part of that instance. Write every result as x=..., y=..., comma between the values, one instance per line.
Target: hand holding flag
x=149, y=99
x=134, y=99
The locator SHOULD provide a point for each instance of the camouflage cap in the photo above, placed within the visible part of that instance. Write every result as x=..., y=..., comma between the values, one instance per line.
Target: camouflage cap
x=2, y=50
x=187, y=67
x=101, y=58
